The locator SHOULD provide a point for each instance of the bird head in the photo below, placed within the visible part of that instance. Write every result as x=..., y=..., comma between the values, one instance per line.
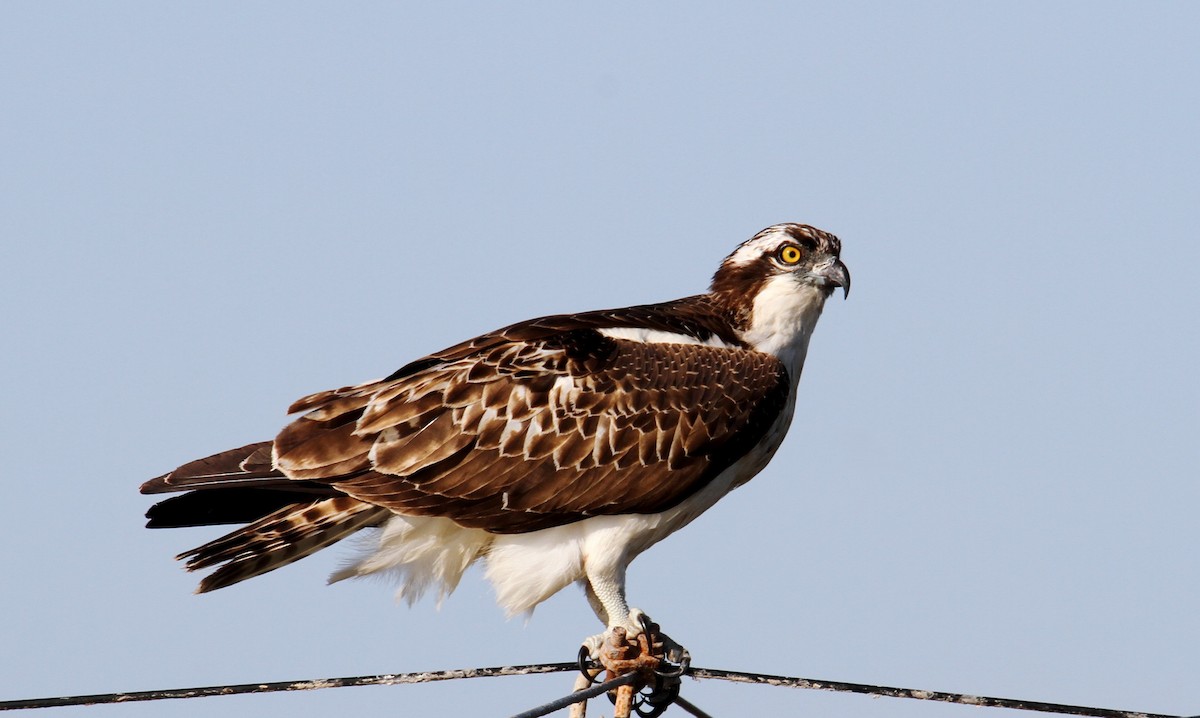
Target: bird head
x=775, y=284
x=805, y=254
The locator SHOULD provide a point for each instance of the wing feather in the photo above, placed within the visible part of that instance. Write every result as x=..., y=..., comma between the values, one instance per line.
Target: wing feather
x=403, y=455
x=535, y=425
x=541, y=430
x=250, y=464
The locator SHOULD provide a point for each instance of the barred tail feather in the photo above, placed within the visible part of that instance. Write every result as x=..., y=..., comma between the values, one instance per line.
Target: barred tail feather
x=279, y=538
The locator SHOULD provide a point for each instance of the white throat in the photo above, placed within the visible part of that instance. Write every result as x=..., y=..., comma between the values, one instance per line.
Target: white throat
x=783, y=318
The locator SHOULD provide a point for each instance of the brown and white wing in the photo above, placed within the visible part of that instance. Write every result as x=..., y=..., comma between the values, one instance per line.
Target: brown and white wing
x=519, y=431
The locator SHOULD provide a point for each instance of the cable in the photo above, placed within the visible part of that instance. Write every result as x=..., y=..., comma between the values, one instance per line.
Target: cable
x=577, y=696
x=699, y=673
x=961, y=698
x=381, y=680
x=690, y=707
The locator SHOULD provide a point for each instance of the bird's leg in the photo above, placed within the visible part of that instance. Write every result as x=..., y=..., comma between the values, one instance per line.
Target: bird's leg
x=594, y=601
x=605, y=589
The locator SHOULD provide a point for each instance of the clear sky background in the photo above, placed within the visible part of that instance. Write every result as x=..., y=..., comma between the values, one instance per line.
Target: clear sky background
x=208, y=210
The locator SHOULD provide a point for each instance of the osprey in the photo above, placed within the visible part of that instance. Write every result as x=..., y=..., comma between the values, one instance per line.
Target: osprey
x=554, y=450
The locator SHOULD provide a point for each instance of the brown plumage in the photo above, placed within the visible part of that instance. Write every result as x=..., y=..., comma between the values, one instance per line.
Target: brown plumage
x=489, y=437
x=279, y=538
x=540, y=424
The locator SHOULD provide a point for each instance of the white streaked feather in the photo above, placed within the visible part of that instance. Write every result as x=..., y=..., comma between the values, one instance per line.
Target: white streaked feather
x=762, y=243
x=658, y=336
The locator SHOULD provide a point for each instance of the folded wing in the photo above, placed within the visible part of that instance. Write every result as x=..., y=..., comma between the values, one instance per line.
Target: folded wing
x=523, y=434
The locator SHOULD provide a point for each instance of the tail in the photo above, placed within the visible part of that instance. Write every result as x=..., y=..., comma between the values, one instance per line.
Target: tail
x=279, y=538
x=286, y=520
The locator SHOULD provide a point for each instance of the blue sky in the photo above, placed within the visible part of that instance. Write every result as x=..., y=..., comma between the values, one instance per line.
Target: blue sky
x=209, y=210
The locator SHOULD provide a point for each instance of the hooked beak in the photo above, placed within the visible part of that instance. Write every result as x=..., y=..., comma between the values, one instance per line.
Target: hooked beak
x=832, y=273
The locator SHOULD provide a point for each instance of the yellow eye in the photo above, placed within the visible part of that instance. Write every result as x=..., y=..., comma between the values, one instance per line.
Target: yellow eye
x=790, y=254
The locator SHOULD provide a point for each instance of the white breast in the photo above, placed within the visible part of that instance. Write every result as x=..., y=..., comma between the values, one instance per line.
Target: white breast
x=784, y=315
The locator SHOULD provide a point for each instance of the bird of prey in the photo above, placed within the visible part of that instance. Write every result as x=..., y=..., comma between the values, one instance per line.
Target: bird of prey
x=555, y=450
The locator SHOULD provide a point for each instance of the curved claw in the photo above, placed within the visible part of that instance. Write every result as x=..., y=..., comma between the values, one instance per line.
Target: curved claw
x=593, y=644
x=664, y=693
x=658, y=701
x=648, y=627
x=588, y=666
x=682, y=664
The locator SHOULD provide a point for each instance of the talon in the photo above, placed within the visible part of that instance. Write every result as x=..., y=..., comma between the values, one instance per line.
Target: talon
x=592, y=645
x=638, y=622
x=589, y=667
x=673, y=652
x=658, y=700
x=643, y=621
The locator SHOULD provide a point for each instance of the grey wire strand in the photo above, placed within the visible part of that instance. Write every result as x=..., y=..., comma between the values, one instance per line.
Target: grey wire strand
x=577, y=696
x=690, y=707
x=389, y=679
x=700, y=673
x=960, y=698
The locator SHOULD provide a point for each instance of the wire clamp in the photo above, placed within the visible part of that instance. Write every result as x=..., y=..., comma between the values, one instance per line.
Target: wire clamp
x=659, y=662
